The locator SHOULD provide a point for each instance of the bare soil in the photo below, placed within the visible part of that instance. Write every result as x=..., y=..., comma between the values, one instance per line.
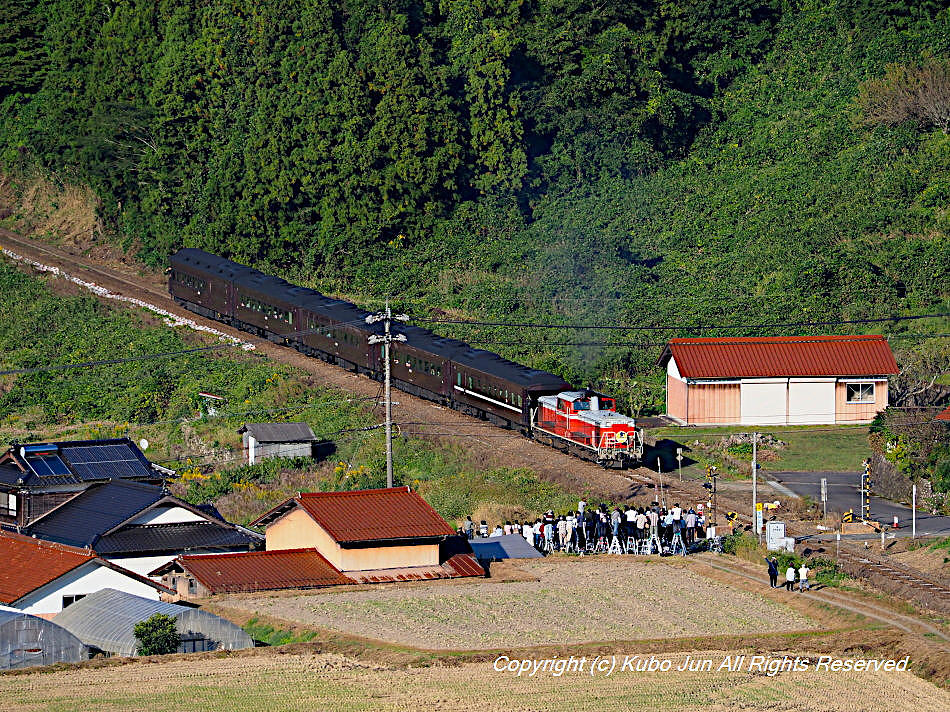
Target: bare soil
x=306, y=681
x=572, y=601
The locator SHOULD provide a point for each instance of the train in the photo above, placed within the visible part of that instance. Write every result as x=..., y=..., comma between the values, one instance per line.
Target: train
x=452, y=373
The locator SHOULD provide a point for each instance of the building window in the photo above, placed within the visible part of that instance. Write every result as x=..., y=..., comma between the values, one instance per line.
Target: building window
x=70, y=600
x=192, y=586
x=8, y=505
x=860, y=392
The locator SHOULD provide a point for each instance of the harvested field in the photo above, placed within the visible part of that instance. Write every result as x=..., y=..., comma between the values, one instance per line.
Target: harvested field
x=572, y=601
x=315, y=682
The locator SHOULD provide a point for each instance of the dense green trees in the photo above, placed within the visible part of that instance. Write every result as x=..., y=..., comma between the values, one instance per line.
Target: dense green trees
x=669, y=164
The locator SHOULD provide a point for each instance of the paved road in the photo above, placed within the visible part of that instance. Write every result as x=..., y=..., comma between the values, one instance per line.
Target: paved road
x=844, y=494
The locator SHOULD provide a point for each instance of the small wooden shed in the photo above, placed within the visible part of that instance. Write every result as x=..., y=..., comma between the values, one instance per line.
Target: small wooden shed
x=263, y=440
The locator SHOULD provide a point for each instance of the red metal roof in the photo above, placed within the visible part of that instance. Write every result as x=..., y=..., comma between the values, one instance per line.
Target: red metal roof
x=781, y=356
x=260, y=570
x=944, y=415
x=29, y=563
x=458, y=566
x=368, y=515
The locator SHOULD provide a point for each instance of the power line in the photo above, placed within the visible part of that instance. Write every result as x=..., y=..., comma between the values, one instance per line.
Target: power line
x=656, y=344
x=706, y=327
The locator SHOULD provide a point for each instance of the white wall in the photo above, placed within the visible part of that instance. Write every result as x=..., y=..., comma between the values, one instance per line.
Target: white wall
x=811, y=401
x=88, y=578
x=673, y=370
x=142, y=565
x=763, y=401
x=168, y=515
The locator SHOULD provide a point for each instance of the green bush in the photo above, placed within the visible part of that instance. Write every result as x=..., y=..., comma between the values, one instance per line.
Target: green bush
x=157, y=635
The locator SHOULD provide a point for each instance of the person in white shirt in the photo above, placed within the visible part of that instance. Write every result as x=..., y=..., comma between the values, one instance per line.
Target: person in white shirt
x=803, y=578
x=677, y=512
x=562, y=533
x=631, y=515
x=789, y=578
x=527, y=532
x=497, y=531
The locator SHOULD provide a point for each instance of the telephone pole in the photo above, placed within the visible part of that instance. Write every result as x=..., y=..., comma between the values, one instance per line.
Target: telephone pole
x=755, y=467
x=386, y=339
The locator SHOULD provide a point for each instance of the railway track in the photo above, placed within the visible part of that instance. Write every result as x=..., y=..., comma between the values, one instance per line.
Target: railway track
x=512, y=451
x=898, y=574
x=491, y=447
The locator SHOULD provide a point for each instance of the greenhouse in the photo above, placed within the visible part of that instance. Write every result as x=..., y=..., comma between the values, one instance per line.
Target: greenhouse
x=27, y=640
x=105, y=621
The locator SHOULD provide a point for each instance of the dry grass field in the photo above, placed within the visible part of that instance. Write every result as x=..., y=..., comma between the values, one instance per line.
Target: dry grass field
x=316, y=682
x=587, y=600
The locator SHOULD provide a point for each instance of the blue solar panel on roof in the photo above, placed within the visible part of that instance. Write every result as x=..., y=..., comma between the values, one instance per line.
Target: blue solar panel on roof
x=47, y=465
x=96, y=462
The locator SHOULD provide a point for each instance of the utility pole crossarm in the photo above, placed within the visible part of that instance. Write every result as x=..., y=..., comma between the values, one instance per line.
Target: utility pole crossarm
x=386, y=339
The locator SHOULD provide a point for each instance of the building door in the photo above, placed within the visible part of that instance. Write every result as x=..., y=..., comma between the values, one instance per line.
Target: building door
x=811, y=401
x=763, y=401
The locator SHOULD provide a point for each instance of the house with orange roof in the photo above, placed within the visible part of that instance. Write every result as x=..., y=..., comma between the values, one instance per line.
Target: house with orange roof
x=359, y=530
x=42, y=578
x=786, y=380
x=318, y=539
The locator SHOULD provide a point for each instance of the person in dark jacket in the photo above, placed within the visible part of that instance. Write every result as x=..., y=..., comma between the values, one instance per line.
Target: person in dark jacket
x=773, y=571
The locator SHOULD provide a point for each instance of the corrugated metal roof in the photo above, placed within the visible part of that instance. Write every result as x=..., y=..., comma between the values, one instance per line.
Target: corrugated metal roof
x=106, y=619
x=458, y=566
x=944, y=415
x=497, y=548
x=260, y=570
x=279, y=432
x=81, y=520
x=175, y=537
x=29, y=563
x=781, y=356
x=373, y=515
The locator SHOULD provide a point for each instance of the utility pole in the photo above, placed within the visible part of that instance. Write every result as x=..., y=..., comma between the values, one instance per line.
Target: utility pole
x=755, y=467
x=913, y=514
x=386, y=340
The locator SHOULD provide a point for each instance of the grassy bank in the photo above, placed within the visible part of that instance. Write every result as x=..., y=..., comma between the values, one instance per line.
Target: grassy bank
x=807, y=448
x=158, y=400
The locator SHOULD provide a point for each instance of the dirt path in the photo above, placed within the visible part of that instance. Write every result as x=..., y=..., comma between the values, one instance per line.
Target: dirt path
x=875, y=611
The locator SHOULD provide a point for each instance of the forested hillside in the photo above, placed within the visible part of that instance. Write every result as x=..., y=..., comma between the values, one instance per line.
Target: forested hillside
x=677, y=165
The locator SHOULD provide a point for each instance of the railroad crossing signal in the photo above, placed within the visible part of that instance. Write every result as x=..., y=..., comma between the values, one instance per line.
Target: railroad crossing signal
x=866, y=491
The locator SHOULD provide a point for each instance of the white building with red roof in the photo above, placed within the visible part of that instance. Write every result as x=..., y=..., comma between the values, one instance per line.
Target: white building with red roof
x=42, y=578
x=797, y=380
